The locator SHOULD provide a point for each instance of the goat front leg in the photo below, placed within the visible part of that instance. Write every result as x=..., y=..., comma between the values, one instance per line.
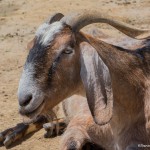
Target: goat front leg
x=76, y=136
x=54, y=128
x=11, y=135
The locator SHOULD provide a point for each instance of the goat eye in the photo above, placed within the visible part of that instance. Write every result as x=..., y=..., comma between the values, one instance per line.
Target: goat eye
x=68, y=51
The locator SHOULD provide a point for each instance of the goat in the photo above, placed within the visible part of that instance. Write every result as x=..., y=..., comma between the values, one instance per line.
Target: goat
x=76, y=132
x=57, y=68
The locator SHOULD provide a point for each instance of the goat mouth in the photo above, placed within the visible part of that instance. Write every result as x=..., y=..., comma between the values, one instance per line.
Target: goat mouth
x=30, y=117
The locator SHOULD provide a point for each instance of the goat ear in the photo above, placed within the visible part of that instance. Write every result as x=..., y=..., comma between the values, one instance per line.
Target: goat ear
x=30, y=44
x=55, y=17
x=96, y=79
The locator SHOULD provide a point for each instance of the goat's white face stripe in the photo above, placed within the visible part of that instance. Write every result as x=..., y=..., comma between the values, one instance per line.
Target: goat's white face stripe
x=47, y=32
x=28, y=86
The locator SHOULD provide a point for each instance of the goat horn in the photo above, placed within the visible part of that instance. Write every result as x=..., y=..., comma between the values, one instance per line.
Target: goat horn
x=54, y=17
x=79, y=20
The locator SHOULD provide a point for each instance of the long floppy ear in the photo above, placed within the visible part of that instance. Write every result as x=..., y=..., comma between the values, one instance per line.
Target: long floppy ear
x=96, y=79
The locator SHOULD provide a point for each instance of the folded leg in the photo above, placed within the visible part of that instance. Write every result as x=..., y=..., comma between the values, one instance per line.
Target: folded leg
x=12, y=135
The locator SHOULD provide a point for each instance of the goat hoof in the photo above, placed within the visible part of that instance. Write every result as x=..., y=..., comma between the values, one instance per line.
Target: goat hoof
x=50, y=130
x=1, y=137
x=49, y=134
x=8, y=141
x=72, y=145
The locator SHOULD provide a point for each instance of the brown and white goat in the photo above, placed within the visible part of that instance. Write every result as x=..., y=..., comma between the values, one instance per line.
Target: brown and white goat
x=57, y=68
x=76, y=135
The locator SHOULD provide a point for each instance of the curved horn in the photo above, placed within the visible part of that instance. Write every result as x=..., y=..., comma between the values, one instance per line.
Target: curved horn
x=80, y=20
x=54, y=17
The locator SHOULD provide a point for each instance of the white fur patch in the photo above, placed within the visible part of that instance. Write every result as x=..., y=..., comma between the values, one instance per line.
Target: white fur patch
x=47, y=32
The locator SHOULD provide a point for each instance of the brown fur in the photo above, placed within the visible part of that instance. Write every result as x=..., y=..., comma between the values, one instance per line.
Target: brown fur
x=131, y=85
x=82, y=128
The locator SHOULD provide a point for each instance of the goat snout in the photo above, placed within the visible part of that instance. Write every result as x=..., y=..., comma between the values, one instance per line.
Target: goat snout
x=29, y=102
x=25, y=100
x=29, y=95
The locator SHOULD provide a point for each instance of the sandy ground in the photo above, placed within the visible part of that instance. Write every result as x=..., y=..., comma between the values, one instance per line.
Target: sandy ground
x=18, y=22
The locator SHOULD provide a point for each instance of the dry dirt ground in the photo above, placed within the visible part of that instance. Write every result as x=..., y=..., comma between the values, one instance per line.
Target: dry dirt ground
x=18, y=22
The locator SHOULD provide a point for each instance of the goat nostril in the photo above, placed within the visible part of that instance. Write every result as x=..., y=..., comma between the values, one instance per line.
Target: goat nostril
x=26, y=101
